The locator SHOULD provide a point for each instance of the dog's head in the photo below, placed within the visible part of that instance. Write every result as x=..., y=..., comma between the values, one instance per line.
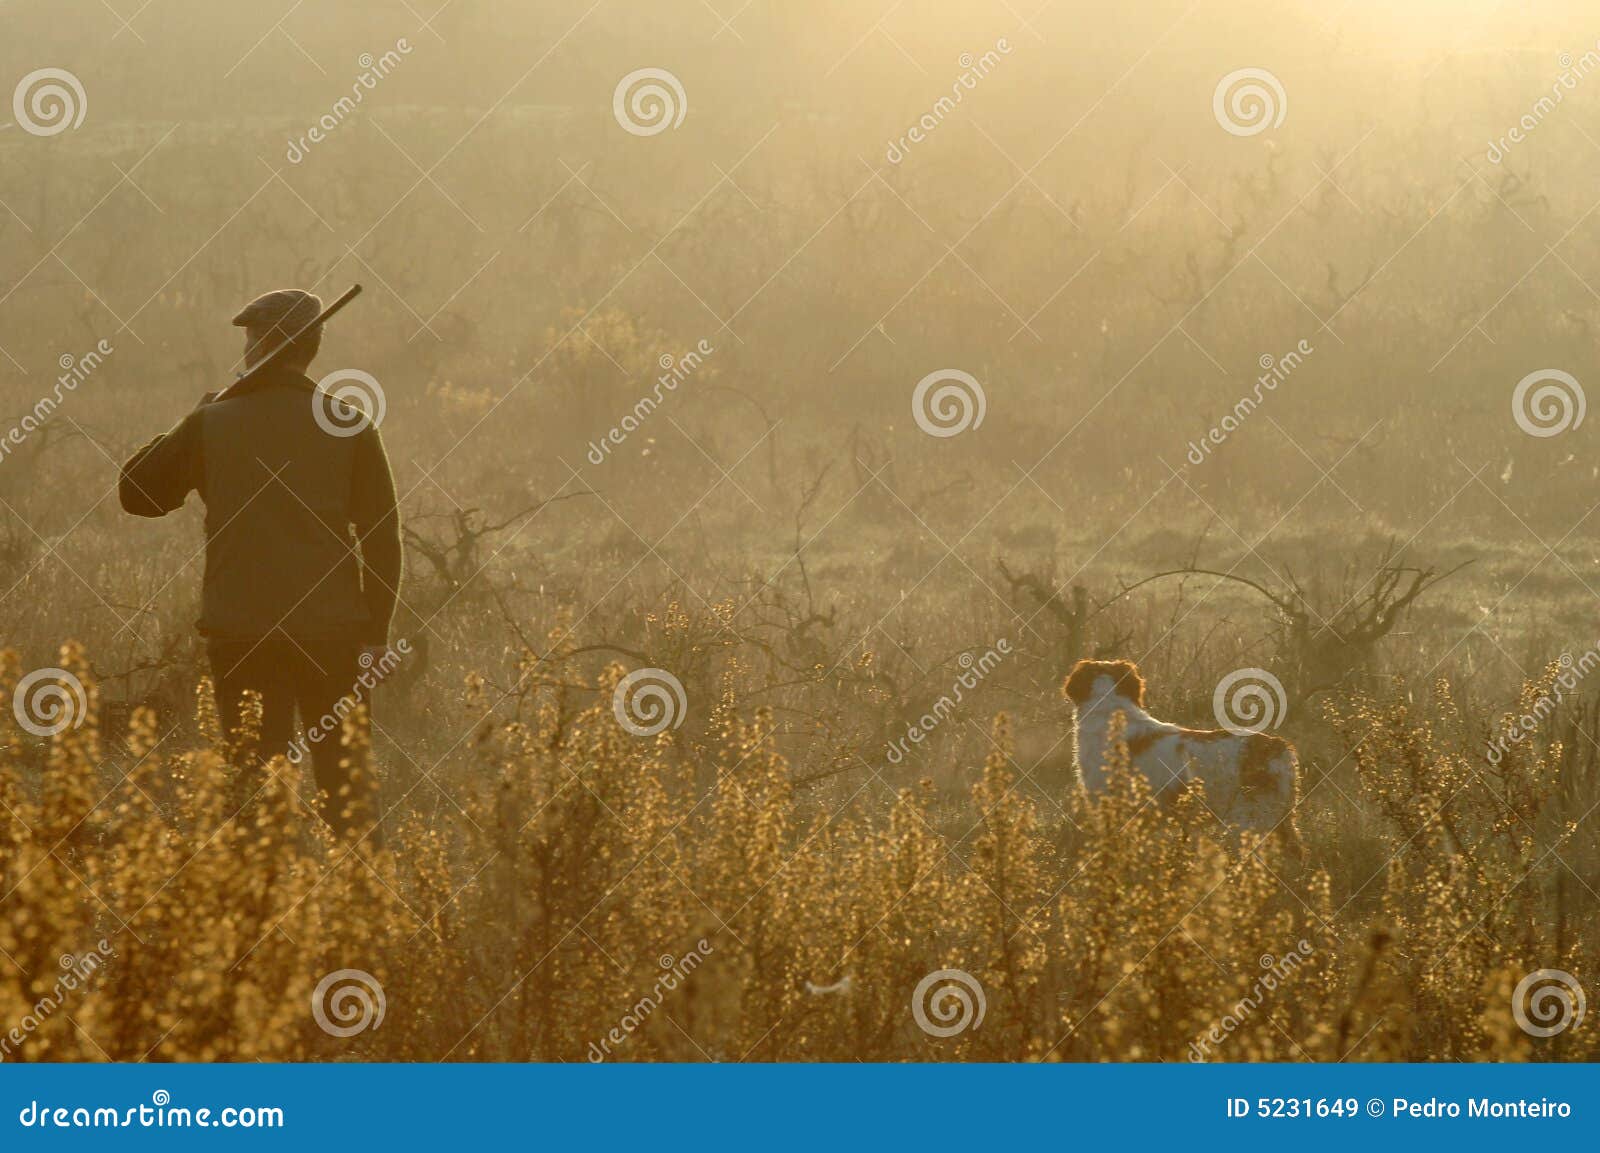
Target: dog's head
x=1122, y=679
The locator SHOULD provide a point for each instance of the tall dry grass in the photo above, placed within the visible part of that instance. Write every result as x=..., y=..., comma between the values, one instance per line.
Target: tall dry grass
x=586, y=863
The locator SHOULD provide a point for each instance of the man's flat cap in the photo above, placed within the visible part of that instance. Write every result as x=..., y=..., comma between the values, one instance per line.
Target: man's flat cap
x=286, y=310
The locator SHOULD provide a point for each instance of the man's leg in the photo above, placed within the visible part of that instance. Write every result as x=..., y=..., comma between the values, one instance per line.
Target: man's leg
x=328, y=694
x=238, y=665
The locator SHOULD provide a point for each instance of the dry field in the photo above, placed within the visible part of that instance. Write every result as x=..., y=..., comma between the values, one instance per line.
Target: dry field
x=763, y=474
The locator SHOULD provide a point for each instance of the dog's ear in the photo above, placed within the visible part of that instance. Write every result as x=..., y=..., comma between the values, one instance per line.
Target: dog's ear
x=1080, y=682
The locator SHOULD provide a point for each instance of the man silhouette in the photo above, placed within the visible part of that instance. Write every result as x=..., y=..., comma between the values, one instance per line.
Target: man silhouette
x=303, y=552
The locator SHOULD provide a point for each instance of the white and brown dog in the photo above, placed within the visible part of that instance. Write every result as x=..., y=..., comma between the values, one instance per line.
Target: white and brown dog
x=1249, y=778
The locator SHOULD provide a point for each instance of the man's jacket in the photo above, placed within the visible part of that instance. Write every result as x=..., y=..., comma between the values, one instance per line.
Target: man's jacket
x=288, y=506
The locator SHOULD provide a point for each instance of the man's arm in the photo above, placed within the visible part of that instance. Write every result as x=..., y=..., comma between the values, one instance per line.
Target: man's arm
x=377, y=520
x=158, y=477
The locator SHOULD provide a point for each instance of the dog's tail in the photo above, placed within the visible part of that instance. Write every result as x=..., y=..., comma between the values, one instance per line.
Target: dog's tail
x=1287, y=830
x=1272, y=766
x=1287, y=834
